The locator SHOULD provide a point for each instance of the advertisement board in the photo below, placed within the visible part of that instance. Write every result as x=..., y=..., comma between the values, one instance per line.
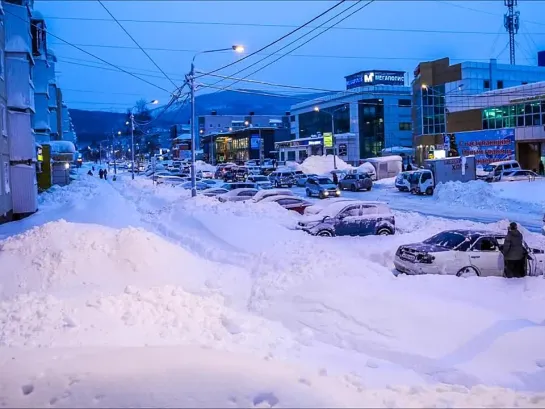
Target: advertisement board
x=255, y=142
x=328, y=139
x=375, y=77
x=492, y=145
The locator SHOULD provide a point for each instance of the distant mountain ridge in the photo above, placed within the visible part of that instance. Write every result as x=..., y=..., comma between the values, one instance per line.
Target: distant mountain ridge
x=93, y=126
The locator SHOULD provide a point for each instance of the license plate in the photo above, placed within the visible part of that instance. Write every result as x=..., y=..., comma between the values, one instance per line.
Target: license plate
x=408, y=257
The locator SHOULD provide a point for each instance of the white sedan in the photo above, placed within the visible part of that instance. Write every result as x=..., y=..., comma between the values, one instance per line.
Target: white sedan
x=237, y=195
x=462, y=253
x=524, y=175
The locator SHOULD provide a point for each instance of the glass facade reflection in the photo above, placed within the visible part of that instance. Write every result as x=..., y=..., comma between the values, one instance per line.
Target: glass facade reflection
x=371, y=127
x=310, y=123
x=519, y=115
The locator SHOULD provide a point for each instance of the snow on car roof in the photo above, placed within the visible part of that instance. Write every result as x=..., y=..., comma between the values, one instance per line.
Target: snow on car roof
x=271, y=192
x=274, y=198
x=235, y=192
x=336, y=207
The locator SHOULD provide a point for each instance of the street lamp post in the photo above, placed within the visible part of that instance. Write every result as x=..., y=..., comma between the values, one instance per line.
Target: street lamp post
x=332, y=114
x=154, y=102
x=191, y=80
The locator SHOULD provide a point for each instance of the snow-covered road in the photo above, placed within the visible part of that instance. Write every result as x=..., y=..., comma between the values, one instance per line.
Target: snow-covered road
x=138, y=265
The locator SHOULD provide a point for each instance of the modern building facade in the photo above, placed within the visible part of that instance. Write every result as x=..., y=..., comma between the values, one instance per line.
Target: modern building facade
x=513, y=116
x=439, y=87
x=217, y=124
x=240, y=145
x=373, y=113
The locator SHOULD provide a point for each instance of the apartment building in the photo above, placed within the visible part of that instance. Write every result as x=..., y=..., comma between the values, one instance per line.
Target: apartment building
x=6, y=203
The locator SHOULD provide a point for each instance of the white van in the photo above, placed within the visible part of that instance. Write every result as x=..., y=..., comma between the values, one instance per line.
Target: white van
x=495, y=170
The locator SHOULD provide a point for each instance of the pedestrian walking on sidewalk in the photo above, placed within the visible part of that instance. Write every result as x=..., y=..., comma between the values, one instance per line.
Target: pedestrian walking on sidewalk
x=101, y=173
x=514, y=253
x=105, y=174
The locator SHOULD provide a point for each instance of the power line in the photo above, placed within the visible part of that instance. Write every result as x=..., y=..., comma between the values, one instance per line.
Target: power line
x=136, y=43
x=268, y=25
x=87, y=52
x=304, y=43
x=280, y=38
x=357, y=57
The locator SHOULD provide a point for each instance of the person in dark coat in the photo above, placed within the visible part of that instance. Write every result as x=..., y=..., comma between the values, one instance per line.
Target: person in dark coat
x=105, y=174
x=409, y=167
x=90, y=173
x=541, y=168
x=335, y=178
x=514, y=253
x=101, y=173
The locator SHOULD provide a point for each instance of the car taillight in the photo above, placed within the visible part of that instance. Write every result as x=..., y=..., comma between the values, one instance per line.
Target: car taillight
x=425, y=258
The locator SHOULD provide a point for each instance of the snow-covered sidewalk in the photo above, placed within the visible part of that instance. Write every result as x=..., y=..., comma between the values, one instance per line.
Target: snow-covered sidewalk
x=133, y=265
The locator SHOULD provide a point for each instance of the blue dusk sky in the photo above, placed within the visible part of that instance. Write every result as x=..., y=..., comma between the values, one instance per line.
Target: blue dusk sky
x=389, y=35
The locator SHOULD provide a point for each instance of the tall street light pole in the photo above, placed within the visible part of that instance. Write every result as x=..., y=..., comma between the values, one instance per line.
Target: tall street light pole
x=193, y=122
x=131, y=123
x=332, y=114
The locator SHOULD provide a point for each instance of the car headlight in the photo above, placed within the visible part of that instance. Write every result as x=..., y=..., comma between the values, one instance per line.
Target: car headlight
x=338, y=191
x=326, y=193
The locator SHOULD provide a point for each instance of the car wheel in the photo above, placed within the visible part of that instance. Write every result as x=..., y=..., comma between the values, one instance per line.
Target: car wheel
x=309, y=194
x=353, y=188
x=429, y=191
x=369, y=188
x=467, y=272
x=384, y=232
x=290, y=185
x=325, y=233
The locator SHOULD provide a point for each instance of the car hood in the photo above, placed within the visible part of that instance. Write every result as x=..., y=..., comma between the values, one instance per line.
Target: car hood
x=426, y=248
x=328, y=187
x=311, y=218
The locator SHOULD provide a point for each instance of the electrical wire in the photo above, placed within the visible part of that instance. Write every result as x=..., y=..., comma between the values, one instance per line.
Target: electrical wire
x=136, y=43
x=301, y=37
x=269, y=25
x=88, y=53
x=280, y=38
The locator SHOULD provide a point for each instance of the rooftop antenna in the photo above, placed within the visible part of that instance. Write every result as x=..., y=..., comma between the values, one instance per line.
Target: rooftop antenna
x=511, y=22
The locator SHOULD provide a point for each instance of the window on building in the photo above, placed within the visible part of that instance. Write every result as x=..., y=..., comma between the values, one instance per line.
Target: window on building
x=486, y=84
x=500, y=84
x=404, y=103
x=405, y=126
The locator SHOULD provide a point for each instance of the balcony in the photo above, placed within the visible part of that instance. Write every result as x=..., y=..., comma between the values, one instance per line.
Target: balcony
x=20, y=91
x=17, y=25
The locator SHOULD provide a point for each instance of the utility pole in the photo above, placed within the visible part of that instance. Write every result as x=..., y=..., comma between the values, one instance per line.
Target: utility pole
x=132, y=144
x=191, y=79
x=334, y=141
x=511, y=22
x=113, y=148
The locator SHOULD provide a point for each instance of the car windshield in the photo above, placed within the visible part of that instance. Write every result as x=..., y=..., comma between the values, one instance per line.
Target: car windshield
x=449, y=240
x=260, y=178
x=325, y=181
x=489, y=168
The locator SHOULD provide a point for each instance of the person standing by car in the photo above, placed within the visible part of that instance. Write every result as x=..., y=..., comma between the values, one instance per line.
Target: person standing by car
x=541, y=168
x=514, y=253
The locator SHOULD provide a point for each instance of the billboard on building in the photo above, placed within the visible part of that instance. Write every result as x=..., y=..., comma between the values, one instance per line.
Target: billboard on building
x=375, y=77
x=255, y=142
x=328, y=139
x=487, y=146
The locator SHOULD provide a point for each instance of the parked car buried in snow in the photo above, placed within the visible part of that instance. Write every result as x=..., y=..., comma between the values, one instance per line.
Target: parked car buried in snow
x=317, y=207
x=289, y=202
x=462, y=253
x=261, y=181
x=352, y=218
x=237, y=195
x=263, y=194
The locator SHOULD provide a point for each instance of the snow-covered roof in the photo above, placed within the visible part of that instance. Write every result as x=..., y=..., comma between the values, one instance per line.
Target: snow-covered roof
x=62, y=147
x=385, y=158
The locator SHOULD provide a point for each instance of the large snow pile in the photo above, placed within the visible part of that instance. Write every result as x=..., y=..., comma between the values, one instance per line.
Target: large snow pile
x=485, y=196
x=193, y=377
x=323, y=164
x=67, y=284
x=204, y=167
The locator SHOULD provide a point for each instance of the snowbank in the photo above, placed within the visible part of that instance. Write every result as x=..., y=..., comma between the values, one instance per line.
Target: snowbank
x=67, y=284
x=192, y=377
x=323, y=164
x=486, y=196
x=204, y=167
x=366, y=167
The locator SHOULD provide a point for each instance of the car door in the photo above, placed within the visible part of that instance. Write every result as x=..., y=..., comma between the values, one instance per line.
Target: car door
x=348, y=221
x=368, y=220
x=347, y=181
x=486, y=256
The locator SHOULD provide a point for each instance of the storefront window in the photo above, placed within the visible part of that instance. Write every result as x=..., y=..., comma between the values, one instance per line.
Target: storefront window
x=519, y=115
